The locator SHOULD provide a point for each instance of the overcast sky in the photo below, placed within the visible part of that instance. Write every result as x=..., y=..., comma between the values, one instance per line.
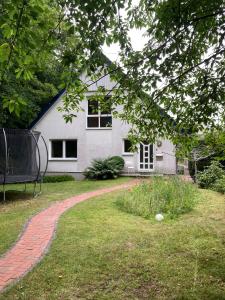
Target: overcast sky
x=137, y=39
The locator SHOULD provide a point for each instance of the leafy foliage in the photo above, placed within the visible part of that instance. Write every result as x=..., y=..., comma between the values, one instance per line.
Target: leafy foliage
x=57, y=178
x=117, y=161
x=208, y=177
x=219, y=185
x=209, y=146
x=105, y=168
x=180, y=71
x=34, y=34
x=171, y=197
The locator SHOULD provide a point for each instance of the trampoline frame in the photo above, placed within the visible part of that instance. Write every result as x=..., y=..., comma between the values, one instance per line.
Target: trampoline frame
x=38, y=177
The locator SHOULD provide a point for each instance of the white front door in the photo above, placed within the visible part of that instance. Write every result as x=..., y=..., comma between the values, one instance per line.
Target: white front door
x=146, y=157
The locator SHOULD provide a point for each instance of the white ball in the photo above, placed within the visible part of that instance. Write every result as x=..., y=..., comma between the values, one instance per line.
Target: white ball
x=159, y=217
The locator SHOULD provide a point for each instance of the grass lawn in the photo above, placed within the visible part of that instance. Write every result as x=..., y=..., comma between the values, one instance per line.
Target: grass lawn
x=101, y=252
x=16, y=211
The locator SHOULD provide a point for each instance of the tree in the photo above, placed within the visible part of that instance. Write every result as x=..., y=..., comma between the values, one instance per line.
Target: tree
x=209, y=146
x=180, y=71
x=34, y=33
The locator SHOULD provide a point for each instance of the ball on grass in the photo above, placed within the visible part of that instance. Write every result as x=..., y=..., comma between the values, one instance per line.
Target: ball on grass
x=159, y=217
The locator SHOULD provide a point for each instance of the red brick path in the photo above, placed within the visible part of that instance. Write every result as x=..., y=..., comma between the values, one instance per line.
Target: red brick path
x=37, y=237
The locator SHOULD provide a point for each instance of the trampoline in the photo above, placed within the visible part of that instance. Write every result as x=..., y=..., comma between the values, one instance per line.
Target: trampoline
x=20, y=159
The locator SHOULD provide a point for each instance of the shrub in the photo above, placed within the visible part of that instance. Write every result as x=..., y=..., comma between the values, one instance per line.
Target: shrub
x=105, y=168
x=208, y=177
x=57, y=178
x=219, y=185
x=117, y=161
x=171, y=197
x=203, y=164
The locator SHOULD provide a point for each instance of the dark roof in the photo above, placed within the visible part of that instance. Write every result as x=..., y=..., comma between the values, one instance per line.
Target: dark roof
x=46, y=107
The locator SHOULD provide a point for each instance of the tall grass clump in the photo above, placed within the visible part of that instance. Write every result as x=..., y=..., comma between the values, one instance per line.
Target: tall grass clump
x=170, y=196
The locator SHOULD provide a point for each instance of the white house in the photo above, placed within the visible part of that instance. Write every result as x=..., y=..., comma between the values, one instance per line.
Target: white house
x=96, y=134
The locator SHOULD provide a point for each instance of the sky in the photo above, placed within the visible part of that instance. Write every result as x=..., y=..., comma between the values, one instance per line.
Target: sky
x=138, y=39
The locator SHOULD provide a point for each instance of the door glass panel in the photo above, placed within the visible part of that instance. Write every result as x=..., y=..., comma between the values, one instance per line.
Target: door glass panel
x=151, y=153
x=141, y=153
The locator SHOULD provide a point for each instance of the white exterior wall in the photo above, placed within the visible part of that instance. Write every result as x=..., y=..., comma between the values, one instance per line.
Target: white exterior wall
x=96, y=143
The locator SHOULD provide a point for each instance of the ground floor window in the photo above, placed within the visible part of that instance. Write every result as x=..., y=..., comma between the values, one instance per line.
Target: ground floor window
x=63, y=149
x=127, y=146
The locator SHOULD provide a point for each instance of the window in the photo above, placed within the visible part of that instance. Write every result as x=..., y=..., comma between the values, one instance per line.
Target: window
x=71, y=149
x=57, y=149
x=127, y=146
x=99, y=117
x=64, y=149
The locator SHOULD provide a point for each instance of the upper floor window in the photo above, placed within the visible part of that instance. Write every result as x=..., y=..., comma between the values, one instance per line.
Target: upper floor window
x=63, y=149
x=98, y=117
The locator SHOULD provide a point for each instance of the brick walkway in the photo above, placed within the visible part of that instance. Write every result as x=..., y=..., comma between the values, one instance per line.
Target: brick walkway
x=37, y=236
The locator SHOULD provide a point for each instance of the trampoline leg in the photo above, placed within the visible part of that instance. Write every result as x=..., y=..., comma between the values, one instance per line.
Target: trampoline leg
x=4, y=192
x=34, y=190
x=39, y=192
x=40, y=188
x=35, y=194
x=25, y=188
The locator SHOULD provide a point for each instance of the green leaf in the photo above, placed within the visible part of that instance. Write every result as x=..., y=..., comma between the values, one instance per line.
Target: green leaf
x=4, y=52
x=11, y=106
x=7, y=30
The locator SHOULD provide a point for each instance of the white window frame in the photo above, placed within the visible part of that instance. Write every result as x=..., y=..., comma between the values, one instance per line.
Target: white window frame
x=64, y=150
x=97, y=115
x=126, y=153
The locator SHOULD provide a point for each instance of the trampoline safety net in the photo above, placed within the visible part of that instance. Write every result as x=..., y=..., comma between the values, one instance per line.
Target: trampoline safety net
x=19, y=156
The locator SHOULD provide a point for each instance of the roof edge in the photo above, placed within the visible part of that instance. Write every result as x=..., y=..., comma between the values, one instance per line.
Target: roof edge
x=46, y=108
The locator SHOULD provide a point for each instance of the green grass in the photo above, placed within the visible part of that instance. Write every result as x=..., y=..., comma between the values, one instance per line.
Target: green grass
x=20, y=206
x=171, y=197
x=101, y=253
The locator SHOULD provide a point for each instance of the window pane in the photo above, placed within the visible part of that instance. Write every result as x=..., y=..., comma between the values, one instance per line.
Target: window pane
x=92, y=121
x=106, y=108
x=57, y=149
x=151, y=153
x=105, y=121
x=127, y=146
x=141, y=153
x=92, y=107
x=71, y=149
